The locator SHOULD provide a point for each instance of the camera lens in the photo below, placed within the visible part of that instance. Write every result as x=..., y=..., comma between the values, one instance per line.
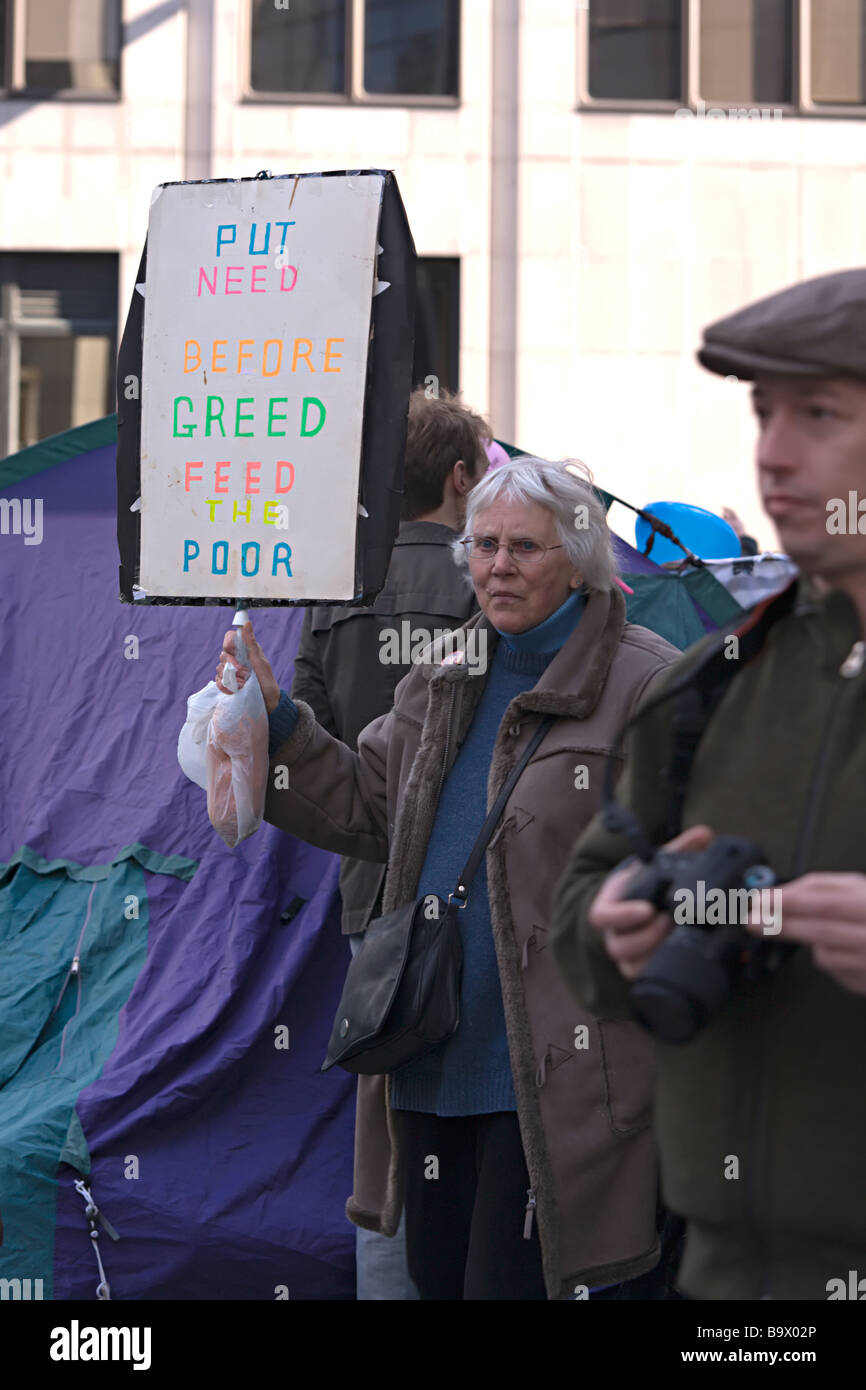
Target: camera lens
x=685, y=983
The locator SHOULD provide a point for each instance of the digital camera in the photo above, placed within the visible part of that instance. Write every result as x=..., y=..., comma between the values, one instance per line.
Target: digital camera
x=698, y=966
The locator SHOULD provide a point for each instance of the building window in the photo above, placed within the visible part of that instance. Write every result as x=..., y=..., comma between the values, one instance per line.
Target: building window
x=355, y=49
x=60, y=47
x=58, y=322
x=302, y=49
x=437, y=323
x=746, y=51
x=838, y=34
x=635, y=49
x=410, y=46
x=752, y=56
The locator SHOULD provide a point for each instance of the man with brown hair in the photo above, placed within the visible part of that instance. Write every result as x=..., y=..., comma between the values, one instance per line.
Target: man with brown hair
x=445, y=458
x=350, y=661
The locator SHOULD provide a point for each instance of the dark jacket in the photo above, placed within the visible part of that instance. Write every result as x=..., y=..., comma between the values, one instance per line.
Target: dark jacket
x=776, y=1079
x=339, y=673
x=583, y=1083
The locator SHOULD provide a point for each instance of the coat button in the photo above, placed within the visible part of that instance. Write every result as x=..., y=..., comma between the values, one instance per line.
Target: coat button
x=514, y=730
x=344, y=1027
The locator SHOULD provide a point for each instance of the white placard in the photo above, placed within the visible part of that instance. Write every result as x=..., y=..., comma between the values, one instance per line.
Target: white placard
x=256, y=330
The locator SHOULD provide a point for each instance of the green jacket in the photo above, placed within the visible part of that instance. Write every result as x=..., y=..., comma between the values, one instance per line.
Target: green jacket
x=777, y=1080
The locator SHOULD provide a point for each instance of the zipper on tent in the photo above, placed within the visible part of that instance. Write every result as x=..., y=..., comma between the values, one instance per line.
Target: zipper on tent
x=74, y=970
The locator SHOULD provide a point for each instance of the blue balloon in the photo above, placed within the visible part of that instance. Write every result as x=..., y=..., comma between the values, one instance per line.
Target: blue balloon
x=705, y=534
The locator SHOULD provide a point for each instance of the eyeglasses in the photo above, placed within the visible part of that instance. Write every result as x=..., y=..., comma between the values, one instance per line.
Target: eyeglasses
x=523, y=552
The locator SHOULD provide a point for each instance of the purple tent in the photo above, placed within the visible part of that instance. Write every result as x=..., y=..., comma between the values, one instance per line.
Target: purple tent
x=185, y=1084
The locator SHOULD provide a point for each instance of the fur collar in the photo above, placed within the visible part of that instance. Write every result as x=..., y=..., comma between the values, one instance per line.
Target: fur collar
x=571, y=686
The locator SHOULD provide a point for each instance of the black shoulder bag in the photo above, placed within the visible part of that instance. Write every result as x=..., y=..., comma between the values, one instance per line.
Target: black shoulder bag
x=401, y=996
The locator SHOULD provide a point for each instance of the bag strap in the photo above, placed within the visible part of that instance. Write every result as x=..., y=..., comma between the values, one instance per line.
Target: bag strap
x=695, y=698
x=465, y=878
x=696, y=704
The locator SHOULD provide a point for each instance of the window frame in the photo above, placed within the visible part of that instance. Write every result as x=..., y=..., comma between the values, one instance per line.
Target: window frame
x=13, y=327
x=587, y=102
x=456, y=324
x=354, y=93
x=803, y=68
x=12, y=82
x=801, y=103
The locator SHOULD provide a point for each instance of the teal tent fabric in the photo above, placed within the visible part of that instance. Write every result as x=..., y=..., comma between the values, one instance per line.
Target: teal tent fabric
x=661, y=603
x=58, y=1028
x=56, y=449
x=713, y=597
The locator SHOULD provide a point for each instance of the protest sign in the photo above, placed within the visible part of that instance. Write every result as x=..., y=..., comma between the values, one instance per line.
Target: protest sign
x=275, y=375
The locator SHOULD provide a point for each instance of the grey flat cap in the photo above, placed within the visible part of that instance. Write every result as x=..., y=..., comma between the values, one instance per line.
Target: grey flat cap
x=814, y=328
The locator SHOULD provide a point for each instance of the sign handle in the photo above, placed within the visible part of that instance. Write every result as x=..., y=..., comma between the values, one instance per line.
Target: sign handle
x=241, y=617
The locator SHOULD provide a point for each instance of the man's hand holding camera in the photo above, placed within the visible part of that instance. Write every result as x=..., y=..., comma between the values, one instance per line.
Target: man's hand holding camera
x=633, y=931
x=826, y=911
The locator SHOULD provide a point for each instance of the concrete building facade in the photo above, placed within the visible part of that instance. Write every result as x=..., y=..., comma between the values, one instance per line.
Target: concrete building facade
x=609, y=177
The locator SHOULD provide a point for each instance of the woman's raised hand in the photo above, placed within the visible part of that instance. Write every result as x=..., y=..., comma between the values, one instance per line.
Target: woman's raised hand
x=258, y=661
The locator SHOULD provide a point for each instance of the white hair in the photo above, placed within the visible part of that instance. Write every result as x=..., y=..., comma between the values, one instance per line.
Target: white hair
x=581, y=522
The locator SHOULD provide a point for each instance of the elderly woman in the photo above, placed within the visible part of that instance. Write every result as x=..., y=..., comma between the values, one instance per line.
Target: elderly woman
x=521, y=1145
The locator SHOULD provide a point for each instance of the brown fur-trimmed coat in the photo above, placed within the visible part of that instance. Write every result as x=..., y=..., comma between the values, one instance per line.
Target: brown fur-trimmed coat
x=583, y=1084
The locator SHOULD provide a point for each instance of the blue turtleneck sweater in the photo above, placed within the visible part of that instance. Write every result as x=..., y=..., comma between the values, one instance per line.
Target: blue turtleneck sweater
x=470, y=1073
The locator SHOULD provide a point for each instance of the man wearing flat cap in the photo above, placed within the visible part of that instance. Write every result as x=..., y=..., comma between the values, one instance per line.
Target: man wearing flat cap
x=760, y=1106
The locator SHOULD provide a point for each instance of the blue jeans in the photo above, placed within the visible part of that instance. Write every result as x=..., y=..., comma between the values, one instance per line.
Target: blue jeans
x=381, y=1266
x=380, y=1261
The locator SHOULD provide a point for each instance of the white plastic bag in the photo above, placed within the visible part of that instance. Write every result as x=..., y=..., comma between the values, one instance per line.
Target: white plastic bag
x=223, y=748
x=191, y=743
